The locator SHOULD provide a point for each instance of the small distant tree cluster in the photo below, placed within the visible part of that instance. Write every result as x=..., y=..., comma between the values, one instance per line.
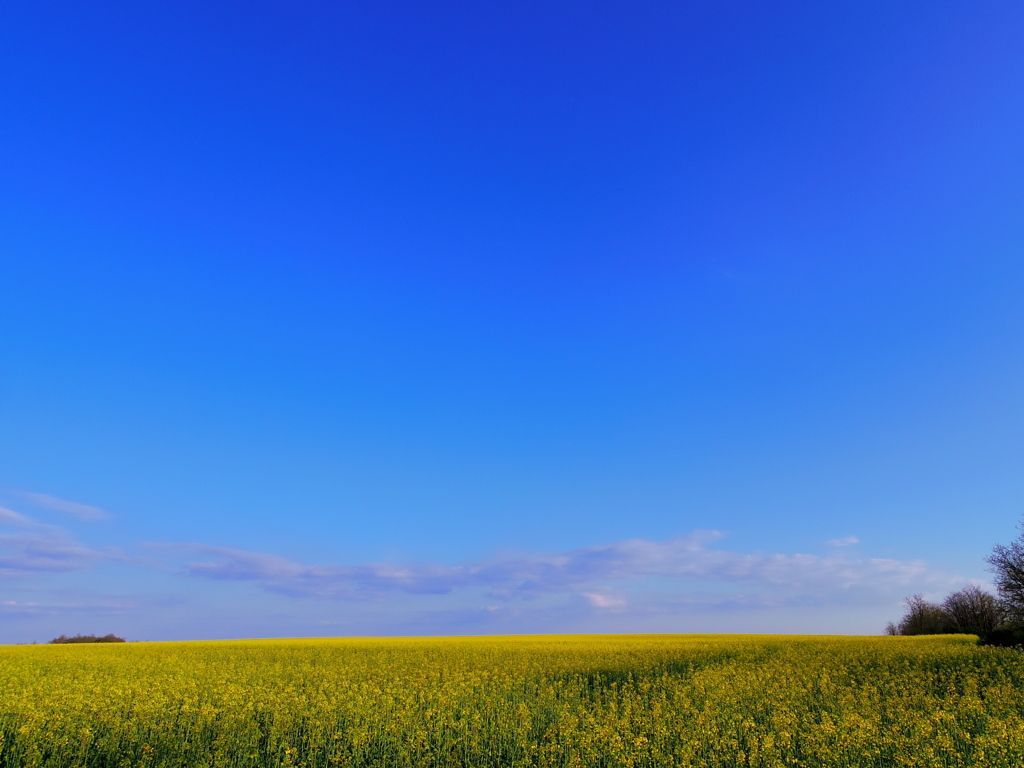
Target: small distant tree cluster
x=996, y=620
x=970, y=611
x=1007, y=565
x=88, y=639
x=974, y=611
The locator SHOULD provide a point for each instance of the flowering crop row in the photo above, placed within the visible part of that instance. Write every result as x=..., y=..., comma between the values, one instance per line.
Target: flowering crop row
x=631, y=701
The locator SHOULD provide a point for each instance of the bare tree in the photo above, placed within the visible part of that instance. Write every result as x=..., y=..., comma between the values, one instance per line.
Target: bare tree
x=1007, y=563
x=973, y=611
x=923, y=618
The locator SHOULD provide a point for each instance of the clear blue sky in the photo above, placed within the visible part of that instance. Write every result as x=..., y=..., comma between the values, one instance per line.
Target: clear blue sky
x=447, y=318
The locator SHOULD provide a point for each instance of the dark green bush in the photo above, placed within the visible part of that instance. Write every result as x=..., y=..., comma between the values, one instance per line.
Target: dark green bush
x=1010, y=635
x=87, y=639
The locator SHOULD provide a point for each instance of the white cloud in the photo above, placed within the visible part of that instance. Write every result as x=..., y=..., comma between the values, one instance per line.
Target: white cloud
x=686, y=563
x=604, y=600
x=21, y=555
x=38, y=547
x=10, y=517
x=34, y=608
x=81, y=511
x=628, y=585
x=691, y=583
x=845, y=541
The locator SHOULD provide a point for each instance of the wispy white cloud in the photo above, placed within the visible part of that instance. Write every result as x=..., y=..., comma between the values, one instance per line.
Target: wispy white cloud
x=604, y=600
x=18, y=520
x=689, y=583
x=630, y=585
x=38, y=547
x=26, y=554
x=845, y=541
x=688, y=562
x=51, y=608
x=279, y=574
x=75, y=509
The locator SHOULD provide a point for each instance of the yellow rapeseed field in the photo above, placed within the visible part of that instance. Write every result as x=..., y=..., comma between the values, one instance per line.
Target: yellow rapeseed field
x=657, y=700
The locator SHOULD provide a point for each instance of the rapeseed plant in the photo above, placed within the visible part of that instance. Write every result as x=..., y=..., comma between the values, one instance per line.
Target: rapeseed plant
x=588, y=701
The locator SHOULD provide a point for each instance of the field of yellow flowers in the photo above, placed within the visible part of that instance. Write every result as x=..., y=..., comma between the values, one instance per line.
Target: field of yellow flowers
x=657, y=700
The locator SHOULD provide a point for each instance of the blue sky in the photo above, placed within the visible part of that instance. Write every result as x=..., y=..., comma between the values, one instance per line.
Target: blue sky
x=461, y=318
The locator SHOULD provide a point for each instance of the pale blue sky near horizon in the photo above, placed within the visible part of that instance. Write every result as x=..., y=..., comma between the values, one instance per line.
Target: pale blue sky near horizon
x=450, y=318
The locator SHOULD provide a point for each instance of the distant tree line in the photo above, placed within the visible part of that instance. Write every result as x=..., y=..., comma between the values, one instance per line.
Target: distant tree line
x=87, y=639
x=971, y=611
x=995, y=619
